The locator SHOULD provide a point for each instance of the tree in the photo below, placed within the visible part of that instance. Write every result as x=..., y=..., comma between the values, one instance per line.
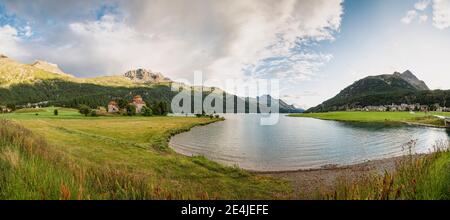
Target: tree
x=155, y=108
x=161, y=108
x=146, y=111
x=164, y=108
x=131, y=110
x=84, y=110
x=11, y=106
x=122, y=103
x=55, y=112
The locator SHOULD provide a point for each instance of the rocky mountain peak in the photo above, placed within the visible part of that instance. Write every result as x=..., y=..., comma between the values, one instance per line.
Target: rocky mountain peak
x=409, y=77
x=146, y=76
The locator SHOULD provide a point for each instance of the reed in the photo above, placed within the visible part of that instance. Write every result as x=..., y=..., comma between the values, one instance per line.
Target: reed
x=416, y=177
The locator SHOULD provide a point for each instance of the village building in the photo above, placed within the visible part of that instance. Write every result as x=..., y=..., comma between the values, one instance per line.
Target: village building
x=138, y=103
x=113, y=107
x=4, y=109
x=399, y=108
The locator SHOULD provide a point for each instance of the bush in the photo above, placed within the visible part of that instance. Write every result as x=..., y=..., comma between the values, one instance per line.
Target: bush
x=122, y=103
x=160, y=108
x=84, y=110
x=55, y=112
x=94, y=113
x=146, y=111
x=131, y=110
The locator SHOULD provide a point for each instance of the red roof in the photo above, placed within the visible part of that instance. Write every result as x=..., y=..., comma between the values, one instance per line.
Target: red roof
x=138, y=100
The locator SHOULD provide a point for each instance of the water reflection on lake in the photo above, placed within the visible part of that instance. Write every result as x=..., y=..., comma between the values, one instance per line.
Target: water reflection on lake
x=302, y=143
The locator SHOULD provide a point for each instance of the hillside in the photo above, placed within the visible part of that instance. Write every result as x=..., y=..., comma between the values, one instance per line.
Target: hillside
x=49, y=67
x=12, y=72
x=41, y=81
x=286, y=108
x=385, y=89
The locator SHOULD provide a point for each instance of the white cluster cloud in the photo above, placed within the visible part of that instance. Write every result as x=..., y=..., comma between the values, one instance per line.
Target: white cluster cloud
x=410, y=16
x=225, y=39
x=417, y=13
x=440, y=13
x=423, y=18
x=422, y=5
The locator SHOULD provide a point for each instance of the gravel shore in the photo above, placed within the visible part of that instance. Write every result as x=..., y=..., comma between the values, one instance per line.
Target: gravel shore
x=307, y=182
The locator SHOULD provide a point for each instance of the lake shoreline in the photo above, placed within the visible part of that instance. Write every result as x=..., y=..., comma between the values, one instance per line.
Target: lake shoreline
x=367, y=118
x=307, y=183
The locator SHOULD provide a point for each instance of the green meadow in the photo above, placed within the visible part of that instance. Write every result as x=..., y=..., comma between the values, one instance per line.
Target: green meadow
x=385, y=117
x=69, y=156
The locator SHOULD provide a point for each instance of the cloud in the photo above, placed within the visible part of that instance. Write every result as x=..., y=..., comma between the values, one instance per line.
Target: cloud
x=409, y=17
x=10, y=42
x=441, y=14
x=225, y=39
x=423, y=18
x=422, y=5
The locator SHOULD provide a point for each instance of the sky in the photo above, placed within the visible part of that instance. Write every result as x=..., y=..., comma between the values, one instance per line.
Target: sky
x=315, y=48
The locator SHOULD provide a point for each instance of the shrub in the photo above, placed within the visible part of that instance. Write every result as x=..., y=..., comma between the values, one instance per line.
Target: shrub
x=84, y=110
x=160, y=108
x=146, y=111
x=55, y=112
x=131, y=110
x=93, y=113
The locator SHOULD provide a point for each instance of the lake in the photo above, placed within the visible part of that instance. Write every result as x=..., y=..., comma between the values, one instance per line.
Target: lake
x=302, y=143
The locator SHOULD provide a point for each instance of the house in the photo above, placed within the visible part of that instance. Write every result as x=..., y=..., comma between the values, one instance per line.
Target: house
x=138, y=103
x=424, y=108
x=4, y=109
x=113, y=107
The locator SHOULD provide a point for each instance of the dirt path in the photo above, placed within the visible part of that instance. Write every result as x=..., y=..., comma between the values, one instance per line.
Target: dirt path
x=307, y=182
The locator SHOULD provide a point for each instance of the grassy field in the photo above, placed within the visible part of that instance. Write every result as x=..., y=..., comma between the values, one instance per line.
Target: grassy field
x=69, y=156
x=385, y=117
x=415, y=178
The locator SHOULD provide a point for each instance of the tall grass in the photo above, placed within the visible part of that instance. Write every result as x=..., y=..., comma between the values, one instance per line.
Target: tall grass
x=32, y=169
x=416, y=177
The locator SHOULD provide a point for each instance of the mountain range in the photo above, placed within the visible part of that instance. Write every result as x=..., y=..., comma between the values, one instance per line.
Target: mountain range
x=396, y=88
x=42, y=81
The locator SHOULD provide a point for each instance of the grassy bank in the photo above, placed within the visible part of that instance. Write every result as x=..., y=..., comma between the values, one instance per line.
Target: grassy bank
x=384, y=117
x=415, y=178
x=43, y=156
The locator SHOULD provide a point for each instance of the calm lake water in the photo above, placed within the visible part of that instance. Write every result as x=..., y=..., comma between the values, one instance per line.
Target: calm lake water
x=302, y=143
